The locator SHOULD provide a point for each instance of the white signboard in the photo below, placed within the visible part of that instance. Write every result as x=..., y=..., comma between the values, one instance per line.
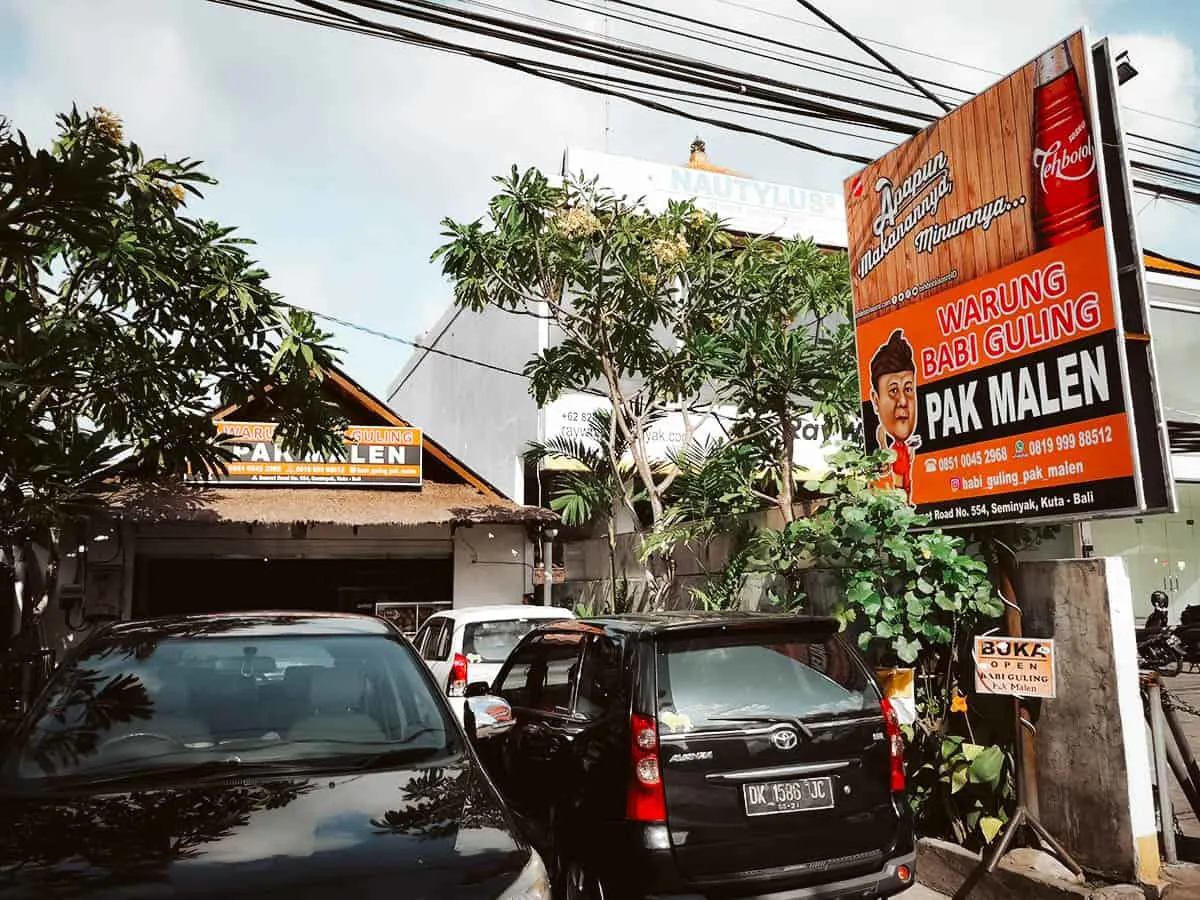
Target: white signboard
x=749, y=206
x=568, y=417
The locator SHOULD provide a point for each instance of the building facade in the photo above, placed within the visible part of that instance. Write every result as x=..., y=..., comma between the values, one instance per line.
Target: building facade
x=399, y=528
x=1163, y=552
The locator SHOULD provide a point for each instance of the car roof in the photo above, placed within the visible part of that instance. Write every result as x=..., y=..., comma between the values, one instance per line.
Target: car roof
x=500, y=611
x=265, y=623
x=701, y=620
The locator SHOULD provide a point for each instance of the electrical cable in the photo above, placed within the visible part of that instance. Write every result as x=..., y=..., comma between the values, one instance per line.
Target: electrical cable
x=601, y=50
x=735, y=47
x=676, y=67
x=879, y=57
x=522, y=65
x=737, y=84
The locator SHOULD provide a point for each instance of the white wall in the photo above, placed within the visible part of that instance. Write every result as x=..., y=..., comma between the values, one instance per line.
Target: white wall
x=484, y=417
x=492, y=564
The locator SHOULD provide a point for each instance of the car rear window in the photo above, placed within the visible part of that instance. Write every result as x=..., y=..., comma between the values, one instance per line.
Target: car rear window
x=492, y=642
x=709, y=681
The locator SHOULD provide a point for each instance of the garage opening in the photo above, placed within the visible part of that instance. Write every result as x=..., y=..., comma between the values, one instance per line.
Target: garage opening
x=412, y=589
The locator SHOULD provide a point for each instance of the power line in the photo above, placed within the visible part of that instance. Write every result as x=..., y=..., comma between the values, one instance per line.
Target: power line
x=544, y=70
x=931, y=56
x=878, y=57
x=396, y=339
x=727, y=85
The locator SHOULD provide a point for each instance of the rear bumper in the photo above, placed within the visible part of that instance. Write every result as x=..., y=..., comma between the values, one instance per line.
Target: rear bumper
x=637, y=861
x=884, y=883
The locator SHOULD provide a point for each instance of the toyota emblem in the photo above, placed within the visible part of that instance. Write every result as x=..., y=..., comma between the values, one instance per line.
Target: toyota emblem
x=785, y=739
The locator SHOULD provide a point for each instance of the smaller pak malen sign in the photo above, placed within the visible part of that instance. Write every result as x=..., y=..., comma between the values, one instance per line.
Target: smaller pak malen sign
x=375, y=456
x=991, y=354
x=1015, y=667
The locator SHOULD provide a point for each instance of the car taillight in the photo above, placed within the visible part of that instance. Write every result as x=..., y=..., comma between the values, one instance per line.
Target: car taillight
x=457, y=686
x=891, y=730
x=645, y=801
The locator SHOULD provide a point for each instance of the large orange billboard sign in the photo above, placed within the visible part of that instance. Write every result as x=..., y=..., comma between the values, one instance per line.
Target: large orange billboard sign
x=990, y=352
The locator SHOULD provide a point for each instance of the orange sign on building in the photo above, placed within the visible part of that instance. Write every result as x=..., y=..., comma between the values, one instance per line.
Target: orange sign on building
x=990, y=353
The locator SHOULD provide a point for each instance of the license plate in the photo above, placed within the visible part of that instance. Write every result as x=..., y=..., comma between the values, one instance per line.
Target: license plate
x=771, y=798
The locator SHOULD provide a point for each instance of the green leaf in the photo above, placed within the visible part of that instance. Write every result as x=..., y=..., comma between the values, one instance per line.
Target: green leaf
x=989, y=827
x=987, y=766
x=951, y=746
x=924, y=586
x=958, y=779
x=970, y=751
x=907, y=650
x=918, y=607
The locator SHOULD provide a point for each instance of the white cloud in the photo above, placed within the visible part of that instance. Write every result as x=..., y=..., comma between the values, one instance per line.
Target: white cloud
x=341, y=153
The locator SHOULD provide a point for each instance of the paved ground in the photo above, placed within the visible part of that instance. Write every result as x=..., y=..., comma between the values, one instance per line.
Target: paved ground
x=1187, y=689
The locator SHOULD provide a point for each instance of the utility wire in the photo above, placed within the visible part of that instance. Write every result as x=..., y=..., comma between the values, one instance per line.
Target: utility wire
x=725, y=82
x=878, y=57
x=606, y=51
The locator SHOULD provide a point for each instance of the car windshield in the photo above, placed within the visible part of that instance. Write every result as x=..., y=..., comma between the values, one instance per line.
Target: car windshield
x=492, y=642
x=710, y=681
x=173, y=702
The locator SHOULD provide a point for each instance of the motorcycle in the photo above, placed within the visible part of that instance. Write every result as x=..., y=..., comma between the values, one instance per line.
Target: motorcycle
x=1188, y=635
x=1162, y=652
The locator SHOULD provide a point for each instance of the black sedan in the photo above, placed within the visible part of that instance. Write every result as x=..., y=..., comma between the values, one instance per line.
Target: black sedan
x=263, y=755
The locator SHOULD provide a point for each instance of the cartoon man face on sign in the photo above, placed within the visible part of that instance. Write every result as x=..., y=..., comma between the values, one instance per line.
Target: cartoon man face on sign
x=894, y=397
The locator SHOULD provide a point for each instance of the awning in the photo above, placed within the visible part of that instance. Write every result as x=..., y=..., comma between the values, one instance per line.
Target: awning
x=433, y=504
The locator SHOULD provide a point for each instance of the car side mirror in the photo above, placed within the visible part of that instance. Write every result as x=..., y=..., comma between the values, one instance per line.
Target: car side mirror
x=487, y=716
x=478, y=689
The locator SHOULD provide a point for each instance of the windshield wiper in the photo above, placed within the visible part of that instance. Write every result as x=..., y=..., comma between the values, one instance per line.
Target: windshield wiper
x=795, y=721
x=214, y=769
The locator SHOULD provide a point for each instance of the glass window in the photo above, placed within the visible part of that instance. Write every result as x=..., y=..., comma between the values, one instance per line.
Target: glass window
x=710, y=680
x=1176, y=336
x=492, y=642
x=130, y=707
x=408, y=617
x=541, y=673
x=437, y=647
x=420, y=638
x=599, y=678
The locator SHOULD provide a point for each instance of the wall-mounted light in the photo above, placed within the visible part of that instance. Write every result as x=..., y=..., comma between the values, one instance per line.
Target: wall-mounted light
x=1125, y=69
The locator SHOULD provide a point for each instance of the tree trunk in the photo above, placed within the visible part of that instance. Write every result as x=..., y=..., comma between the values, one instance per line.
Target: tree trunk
x=787, y=494
x=612, y=552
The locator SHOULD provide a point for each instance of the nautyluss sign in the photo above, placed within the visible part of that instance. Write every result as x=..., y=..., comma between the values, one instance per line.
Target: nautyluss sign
x=375, y=455
x=992, y=356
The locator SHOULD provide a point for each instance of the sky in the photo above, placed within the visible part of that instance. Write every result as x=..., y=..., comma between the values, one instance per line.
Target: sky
x=340, y=154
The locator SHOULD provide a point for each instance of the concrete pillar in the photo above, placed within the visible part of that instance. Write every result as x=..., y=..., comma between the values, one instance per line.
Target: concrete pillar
x=1093, y=765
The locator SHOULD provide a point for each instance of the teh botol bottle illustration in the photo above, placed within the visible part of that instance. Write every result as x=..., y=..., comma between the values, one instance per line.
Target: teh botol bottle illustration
x=1066, y=184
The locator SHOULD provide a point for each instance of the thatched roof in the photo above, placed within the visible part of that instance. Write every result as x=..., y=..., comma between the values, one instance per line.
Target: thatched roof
x=432, y=504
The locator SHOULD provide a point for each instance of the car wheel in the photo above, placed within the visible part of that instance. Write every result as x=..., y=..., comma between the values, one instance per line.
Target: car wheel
x=579, y=884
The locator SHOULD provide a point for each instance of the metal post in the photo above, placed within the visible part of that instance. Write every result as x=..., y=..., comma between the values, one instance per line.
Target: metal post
x=1006, y=565
x=1161, y=773
x=1185, y=748
x=548, y=535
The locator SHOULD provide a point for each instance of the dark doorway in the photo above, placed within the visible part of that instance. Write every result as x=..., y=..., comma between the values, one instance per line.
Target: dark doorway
x=190, y=586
